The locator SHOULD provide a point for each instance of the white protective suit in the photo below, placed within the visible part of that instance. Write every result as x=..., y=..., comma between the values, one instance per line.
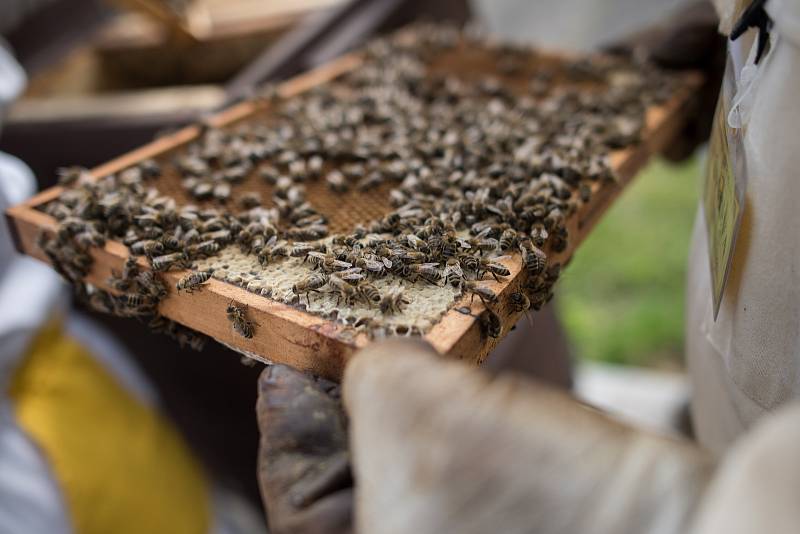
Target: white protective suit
x=747, y=362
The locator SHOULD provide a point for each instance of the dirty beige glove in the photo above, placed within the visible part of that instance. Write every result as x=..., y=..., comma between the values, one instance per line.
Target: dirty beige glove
x=441, y=447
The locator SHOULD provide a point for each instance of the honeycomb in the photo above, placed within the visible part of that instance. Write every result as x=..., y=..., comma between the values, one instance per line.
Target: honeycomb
x=428, y=302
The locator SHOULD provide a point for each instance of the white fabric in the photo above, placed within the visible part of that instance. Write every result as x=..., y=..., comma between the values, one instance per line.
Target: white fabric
x=748, y=361
x=786, y=16
x=30, y=500
x=12, y=79
x=30, y=292
x=757, y=488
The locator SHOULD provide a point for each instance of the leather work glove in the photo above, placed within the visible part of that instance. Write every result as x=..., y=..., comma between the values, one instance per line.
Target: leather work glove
x=442, y=447
x=303, y=463
x=688, y=40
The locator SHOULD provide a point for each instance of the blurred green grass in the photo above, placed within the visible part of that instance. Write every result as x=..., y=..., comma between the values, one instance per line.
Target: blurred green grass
x=621, y=298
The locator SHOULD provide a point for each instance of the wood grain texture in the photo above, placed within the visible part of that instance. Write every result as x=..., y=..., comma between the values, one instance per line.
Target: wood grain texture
x=310, y=343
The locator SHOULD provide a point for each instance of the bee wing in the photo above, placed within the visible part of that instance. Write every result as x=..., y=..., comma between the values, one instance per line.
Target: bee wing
x=343, y=264
x=499, y=258
x=387, y=262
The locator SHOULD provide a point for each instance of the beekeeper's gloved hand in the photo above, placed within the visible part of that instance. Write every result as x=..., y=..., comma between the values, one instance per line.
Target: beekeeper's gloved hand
x=303, y=464
x=689, y=39
x=438, y=446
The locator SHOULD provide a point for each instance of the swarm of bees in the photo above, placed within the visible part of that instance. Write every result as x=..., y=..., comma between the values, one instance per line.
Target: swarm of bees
x=477, y=170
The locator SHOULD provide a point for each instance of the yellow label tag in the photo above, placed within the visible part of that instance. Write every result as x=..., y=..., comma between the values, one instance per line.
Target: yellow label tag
x=723, y=194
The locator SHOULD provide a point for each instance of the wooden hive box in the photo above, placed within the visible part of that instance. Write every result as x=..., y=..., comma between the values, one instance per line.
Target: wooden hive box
x=290, y=335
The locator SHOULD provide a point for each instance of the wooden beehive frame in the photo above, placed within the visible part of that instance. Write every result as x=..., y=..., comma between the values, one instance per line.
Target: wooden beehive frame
x=311, y=343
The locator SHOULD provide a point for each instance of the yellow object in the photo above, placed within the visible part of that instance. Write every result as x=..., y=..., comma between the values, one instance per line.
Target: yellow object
x=120, y=466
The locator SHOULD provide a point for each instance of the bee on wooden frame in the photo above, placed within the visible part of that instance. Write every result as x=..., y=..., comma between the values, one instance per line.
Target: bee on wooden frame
x=237, y=315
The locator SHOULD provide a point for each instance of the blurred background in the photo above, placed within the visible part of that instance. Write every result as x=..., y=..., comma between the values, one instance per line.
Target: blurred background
x=105, y=77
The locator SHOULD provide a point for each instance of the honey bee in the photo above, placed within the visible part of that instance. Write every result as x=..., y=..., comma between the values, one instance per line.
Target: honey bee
x=490, y=323
x=68, y=176
x=167, y=261
x=414, y=256
x=343, y=290
x=311, y=220
x=148, y=247
x=585, y=192
x=533, y=258
x=301, y=249
x=269, y=174
x=312, y=232
x=149, y=218
x=483, y=244
x=482, y=292
x=149, y=169
x=393, y=302
x=192, y=282
x=238, y=318
x=468, y=262
x=151, y=285
x=453, y=273
x=310, y=283
x=416, y=243
x=554, y=219
x=539, y=234
x=152, y=232
x=297, y=169
x=296, y=196
x=314, y=166
x=221, y=236
x=370, y=181
x=397, y=198
x=188, y=338
x=213, y=224
x=130, y=269
x=204, y=248
x=519, y=302
x=327, y=262
x=493, y=267
x=508, y=239
x=369, y=293
x=133, y=300
x=118, y=282
x=89, y=238
x=222, y=191
x=337, y=182
x=352, y=275
x=375, y=264
x=249, y=200
x=170, y=241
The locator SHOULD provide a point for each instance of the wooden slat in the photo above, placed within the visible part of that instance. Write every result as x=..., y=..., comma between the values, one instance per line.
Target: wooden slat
x=288, y=335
